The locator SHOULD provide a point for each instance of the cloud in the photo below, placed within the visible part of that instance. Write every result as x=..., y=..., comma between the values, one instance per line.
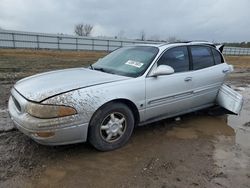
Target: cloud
x=213, y=20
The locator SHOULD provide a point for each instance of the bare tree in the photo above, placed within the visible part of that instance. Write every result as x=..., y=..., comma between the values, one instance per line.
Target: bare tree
x=87, y=29
x=142, y=35
x=83, y=29
x=79, y=29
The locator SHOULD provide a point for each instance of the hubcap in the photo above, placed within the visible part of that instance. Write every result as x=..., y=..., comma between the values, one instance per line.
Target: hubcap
x=113, y=127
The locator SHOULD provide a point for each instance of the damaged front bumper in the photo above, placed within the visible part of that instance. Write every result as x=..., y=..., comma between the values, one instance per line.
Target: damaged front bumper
x=54, y=131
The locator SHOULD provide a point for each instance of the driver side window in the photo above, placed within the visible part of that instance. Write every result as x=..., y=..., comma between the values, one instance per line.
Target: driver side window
x=177, y=58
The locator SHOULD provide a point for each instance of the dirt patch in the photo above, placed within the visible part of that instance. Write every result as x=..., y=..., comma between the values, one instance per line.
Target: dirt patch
x=152, y=158
x=159, y=155
x=5, y=121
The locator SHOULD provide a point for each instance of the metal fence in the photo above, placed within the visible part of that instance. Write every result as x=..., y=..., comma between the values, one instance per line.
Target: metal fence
x=19, y=39
x=236, y=51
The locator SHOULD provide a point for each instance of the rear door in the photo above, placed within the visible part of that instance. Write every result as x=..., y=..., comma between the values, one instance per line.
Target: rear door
x=209, y=72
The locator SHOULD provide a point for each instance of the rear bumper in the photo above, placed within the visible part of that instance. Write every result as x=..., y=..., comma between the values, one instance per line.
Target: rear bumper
x=230, y=99
x=55, y=131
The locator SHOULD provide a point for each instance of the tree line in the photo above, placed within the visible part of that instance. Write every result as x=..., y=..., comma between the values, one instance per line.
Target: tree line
x=86, y=30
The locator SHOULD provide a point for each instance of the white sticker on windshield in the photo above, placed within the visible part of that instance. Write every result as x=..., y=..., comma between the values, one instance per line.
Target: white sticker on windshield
x=134, y=63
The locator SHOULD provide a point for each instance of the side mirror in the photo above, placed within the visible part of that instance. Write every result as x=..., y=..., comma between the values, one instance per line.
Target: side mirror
x=163, y=70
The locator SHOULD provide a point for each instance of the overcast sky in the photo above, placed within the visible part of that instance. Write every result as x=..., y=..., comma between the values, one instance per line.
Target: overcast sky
x=212, y=20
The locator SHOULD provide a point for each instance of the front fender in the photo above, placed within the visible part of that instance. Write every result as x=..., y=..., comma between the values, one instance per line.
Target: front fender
x=87, y=100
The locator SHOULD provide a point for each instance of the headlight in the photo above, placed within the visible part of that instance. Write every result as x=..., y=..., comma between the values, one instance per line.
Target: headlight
x=49, y=111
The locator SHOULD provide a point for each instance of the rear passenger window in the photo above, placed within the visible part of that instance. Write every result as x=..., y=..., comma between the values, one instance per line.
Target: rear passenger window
x=177, y=58
x=202, y=57
x=217, y=57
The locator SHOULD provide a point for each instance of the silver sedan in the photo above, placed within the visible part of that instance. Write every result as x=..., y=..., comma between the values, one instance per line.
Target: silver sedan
x=131, y=86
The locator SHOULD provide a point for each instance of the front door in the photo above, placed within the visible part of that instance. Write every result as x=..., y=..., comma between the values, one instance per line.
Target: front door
x=167, y=95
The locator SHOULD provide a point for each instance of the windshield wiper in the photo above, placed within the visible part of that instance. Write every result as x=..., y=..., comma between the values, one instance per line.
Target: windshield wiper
x=104, y=70
x=91, y=66
x=100, y=69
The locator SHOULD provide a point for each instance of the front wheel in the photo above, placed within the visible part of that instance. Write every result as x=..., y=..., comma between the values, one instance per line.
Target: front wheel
x=111, y=127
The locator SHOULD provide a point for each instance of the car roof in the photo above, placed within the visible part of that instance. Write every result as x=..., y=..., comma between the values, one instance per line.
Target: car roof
x=173, y=44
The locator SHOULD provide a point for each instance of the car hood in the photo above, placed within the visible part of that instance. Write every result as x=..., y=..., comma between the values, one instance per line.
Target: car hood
x=42, y=86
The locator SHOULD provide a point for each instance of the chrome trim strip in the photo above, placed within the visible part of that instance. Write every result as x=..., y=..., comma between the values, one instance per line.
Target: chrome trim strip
x=171, y=98
x=184, y=95
x=213, y=86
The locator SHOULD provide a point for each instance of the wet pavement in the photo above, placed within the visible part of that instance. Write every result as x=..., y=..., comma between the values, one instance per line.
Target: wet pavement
x=232, y=154
x=241, y=123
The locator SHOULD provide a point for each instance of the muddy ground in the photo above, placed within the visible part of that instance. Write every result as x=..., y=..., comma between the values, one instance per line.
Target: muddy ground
x=202, y=149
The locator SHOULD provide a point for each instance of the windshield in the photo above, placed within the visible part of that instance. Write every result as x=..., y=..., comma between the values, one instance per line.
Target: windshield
x=127, y=61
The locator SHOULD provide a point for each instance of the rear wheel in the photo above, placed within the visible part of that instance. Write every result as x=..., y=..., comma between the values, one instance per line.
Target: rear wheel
x=111, y=127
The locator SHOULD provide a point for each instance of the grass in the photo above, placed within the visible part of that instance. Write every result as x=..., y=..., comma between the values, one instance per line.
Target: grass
x=16, y=64
x=241, y=62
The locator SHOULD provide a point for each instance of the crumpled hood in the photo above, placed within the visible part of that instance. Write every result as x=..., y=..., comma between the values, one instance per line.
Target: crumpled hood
x=41, y=86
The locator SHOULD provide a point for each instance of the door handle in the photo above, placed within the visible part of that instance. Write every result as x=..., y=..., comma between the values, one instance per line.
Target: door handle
x=225, y=71
x=188, y=79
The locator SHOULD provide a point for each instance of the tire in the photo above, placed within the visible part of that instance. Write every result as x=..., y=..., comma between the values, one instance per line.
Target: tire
x=115, y=119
